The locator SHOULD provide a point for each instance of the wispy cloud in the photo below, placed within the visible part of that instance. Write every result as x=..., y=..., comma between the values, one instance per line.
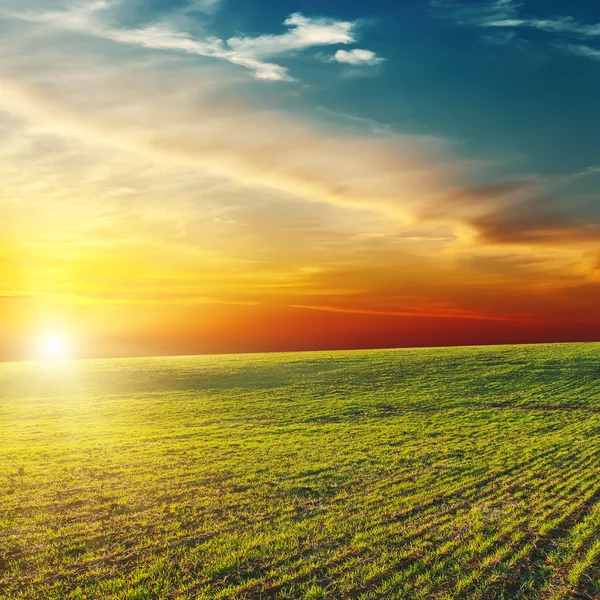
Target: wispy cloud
x=252, y=53
x=536, y=229
x=581, y=50
x=416, y=312
x=504, y=19
x=357, y=57
x=88, y=20
x=382, y=173
x=205, y=6
x=476, y=12
x=559, y=25
x=412, y=181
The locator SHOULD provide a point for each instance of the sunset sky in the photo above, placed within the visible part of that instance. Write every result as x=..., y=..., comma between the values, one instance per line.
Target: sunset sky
x=190, y=176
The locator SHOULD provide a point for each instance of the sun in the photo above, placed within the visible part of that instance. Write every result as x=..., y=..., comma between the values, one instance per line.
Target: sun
x=54, y=346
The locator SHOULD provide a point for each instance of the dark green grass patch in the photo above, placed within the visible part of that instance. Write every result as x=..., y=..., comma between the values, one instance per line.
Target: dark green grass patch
x=430, y=473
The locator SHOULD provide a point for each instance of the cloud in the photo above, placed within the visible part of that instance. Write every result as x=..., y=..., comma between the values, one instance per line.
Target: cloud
x=357, y=57
x=245, y=51
x=580, y=50
x=86, y=20
x=414, y=313
x=536, y=229
x=303, y=33
x=560, y=25
x=386, y=173
x=204, y=6
x=476, y=12
x=505, y=16
x=414, y=181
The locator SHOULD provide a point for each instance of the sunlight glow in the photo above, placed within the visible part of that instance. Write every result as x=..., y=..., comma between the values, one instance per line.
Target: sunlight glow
x=54, y=347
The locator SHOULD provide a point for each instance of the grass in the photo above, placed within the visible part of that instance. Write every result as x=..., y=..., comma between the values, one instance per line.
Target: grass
x=429, y=473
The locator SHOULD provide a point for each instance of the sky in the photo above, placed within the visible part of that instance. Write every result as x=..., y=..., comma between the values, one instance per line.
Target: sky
x=198, y=176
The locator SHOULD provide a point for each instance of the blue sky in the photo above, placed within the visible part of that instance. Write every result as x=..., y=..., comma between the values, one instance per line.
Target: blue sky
x=514, y=93
x=412, y=158
x=513, y=80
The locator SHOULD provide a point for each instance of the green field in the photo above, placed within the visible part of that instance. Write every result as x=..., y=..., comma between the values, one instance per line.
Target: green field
x=428, y=473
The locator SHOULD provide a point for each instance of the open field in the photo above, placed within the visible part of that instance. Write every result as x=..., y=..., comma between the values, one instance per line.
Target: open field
x=429, y=473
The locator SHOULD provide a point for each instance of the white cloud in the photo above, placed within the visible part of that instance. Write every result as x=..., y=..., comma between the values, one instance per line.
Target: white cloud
x=161, y=37
x=87, y=20
x=357, y=57
x=245, y=51
x=303, y=33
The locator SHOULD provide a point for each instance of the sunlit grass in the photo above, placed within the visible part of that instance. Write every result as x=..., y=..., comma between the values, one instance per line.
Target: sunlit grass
x=458, y=473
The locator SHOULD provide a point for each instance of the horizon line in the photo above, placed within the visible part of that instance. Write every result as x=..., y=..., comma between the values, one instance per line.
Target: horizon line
x=303, y=351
